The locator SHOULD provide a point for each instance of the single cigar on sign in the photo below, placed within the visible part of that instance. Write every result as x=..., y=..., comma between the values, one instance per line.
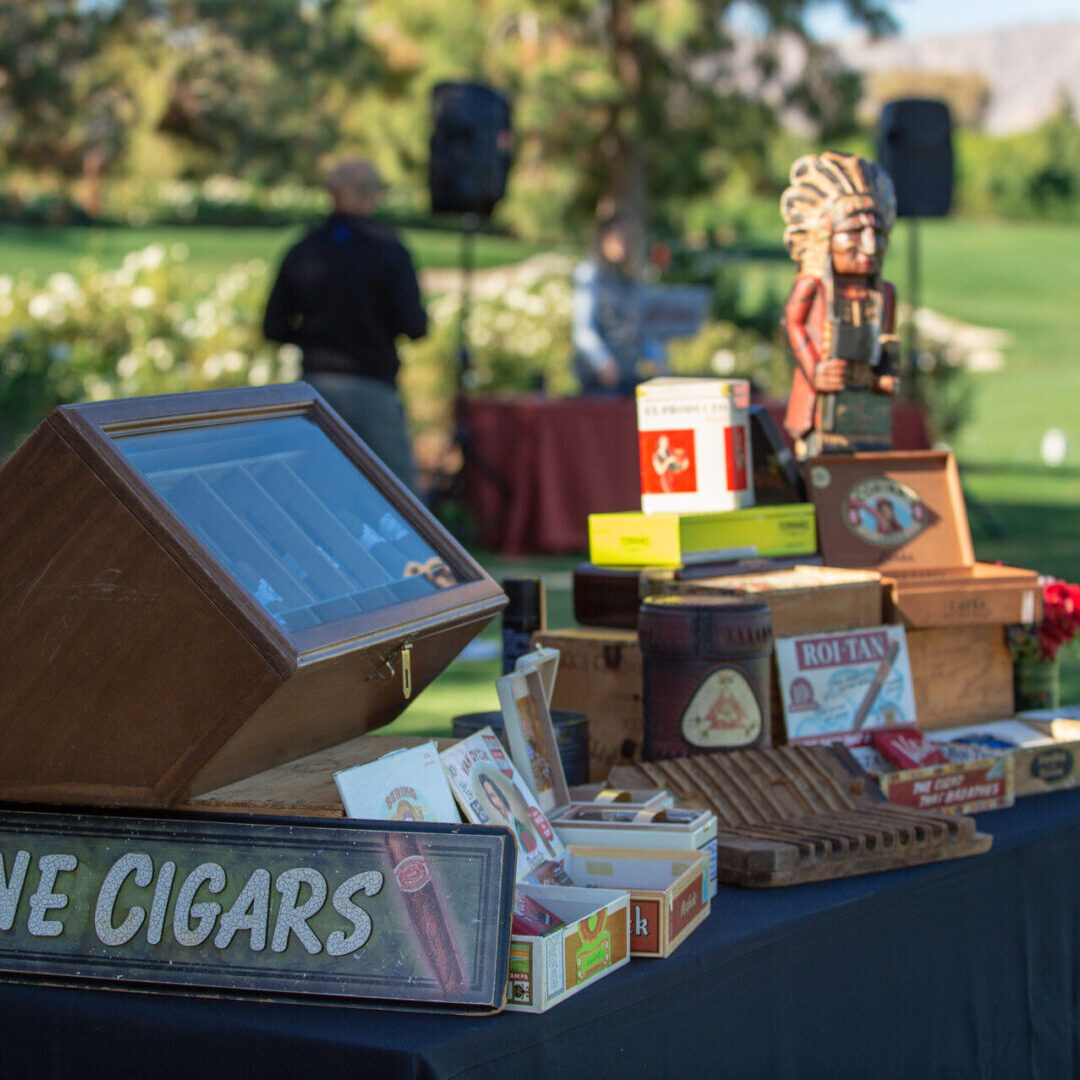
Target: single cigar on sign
x=434, y=932
x=875, y=686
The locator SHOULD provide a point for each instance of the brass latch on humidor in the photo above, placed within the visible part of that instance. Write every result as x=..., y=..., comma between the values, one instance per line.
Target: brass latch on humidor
x=386, y=669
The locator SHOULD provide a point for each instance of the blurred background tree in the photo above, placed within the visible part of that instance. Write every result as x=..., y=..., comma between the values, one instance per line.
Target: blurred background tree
x=612, y=101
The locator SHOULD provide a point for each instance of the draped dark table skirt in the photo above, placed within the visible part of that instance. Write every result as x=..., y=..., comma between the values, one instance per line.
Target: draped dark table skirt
x=961, y=969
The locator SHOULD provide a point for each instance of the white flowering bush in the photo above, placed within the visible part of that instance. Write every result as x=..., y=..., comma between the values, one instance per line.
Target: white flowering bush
x=147, y=327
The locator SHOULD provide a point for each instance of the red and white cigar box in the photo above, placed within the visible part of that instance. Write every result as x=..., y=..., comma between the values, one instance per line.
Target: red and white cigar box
x=694, y=445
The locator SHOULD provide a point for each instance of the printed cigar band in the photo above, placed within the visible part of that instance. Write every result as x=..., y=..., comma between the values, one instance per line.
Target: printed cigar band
x=412, y=873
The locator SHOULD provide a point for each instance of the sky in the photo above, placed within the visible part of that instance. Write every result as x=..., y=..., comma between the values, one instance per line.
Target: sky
x=918, y=18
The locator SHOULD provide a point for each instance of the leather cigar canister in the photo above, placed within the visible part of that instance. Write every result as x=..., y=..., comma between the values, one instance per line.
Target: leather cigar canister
x=607, y=595
x=705, y=663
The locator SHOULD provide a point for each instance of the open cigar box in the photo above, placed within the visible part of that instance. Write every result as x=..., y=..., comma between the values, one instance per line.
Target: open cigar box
x=904, y=515
x=794, y=814
x=201, y=587
x=534, y=750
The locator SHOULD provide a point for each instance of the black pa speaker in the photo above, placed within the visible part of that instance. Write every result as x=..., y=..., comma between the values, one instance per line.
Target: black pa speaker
x=914, y=146
x=470, y=148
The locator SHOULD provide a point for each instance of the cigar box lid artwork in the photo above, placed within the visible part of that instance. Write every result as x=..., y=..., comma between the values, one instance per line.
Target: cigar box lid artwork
x=694, y=444
x=231, y=570
x=840, y=685
x=904, y=514
x=490, y=791
x=404, y=785
x=675, y=539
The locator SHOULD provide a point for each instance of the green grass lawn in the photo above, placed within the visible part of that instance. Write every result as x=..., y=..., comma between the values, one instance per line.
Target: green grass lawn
x=213, y=250
x=1019, y=277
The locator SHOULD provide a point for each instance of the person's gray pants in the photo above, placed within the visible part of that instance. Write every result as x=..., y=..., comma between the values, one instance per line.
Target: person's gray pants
x=373, y=410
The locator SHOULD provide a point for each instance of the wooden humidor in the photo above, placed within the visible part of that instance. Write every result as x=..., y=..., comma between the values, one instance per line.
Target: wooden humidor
x=903, y=514
x=198, y=587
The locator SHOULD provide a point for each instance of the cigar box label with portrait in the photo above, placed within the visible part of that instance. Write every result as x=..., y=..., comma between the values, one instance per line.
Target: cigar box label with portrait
x=413, y=915
x=592, y=940
x=490, y=791
x=904, y=515
x=840, y=686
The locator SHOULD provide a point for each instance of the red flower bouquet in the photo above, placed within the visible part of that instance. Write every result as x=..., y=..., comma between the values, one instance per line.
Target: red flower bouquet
x=1059, y=627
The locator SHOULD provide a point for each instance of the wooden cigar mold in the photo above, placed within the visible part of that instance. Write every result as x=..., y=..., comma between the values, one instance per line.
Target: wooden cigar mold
x=794, y=814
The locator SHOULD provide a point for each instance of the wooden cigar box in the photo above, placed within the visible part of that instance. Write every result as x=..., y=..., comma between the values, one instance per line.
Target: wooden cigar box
x=961, y=675
x=903, y=514
x=199, y=587
x=600, y=676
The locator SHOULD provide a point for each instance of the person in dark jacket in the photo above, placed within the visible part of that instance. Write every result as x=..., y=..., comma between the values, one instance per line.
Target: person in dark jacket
x=344, y=294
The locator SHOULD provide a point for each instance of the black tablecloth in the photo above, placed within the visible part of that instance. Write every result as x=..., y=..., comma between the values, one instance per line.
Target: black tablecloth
x=961, y=969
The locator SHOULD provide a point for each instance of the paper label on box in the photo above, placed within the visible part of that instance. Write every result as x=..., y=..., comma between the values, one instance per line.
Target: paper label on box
x=1053, y=766
x=645, y=926
x=521, y=972
x=556, y=972
x=668, y=461
x=965, y=789
x=835, y=685
x=687, y=905
x=593, y=946
x=884, y=512
x=723, y=712
x=490, y=791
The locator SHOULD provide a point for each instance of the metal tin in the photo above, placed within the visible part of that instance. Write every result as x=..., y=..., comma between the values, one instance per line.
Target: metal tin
x=705, y=662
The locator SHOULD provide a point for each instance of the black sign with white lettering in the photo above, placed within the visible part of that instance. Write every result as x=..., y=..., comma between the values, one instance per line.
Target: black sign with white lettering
x=411, y=914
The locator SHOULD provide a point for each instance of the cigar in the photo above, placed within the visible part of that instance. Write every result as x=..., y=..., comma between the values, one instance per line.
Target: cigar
x=874, y=688
x=434, y=933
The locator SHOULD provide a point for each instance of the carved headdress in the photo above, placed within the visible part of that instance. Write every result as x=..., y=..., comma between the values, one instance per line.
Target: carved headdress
x=825, y=189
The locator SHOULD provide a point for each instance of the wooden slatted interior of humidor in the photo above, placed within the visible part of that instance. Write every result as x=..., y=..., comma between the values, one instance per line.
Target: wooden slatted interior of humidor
x=803, y=813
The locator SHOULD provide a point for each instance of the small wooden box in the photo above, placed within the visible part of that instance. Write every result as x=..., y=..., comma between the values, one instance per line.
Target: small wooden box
x=802, y=600
x=197, y=587
x=600, y=675
x=903, y=514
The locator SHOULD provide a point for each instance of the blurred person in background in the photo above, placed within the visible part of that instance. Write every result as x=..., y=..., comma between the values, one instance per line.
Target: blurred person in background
x=611, y=354
x=344, y=294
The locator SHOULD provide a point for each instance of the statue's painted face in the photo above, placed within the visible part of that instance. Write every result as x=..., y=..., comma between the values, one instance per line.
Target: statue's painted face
x=858, y=244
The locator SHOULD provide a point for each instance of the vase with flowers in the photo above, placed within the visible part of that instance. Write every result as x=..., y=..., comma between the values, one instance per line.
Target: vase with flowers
x=1036, y=647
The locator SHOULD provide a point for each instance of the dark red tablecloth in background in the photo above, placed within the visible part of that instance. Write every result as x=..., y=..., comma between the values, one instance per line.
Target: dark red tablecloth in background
x=536, y=467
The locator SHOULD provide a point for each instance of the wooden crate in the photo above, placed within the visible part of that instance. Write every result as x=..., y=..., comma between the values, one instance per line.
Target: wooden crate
x=961, y=675
x=600, y=675
x=795, y=814
x=802, y=600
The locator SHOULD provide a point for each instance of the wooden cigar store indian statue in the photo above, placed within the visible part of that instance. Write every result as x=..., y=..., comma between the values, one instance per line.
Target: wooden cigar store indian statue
x=839, y=318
